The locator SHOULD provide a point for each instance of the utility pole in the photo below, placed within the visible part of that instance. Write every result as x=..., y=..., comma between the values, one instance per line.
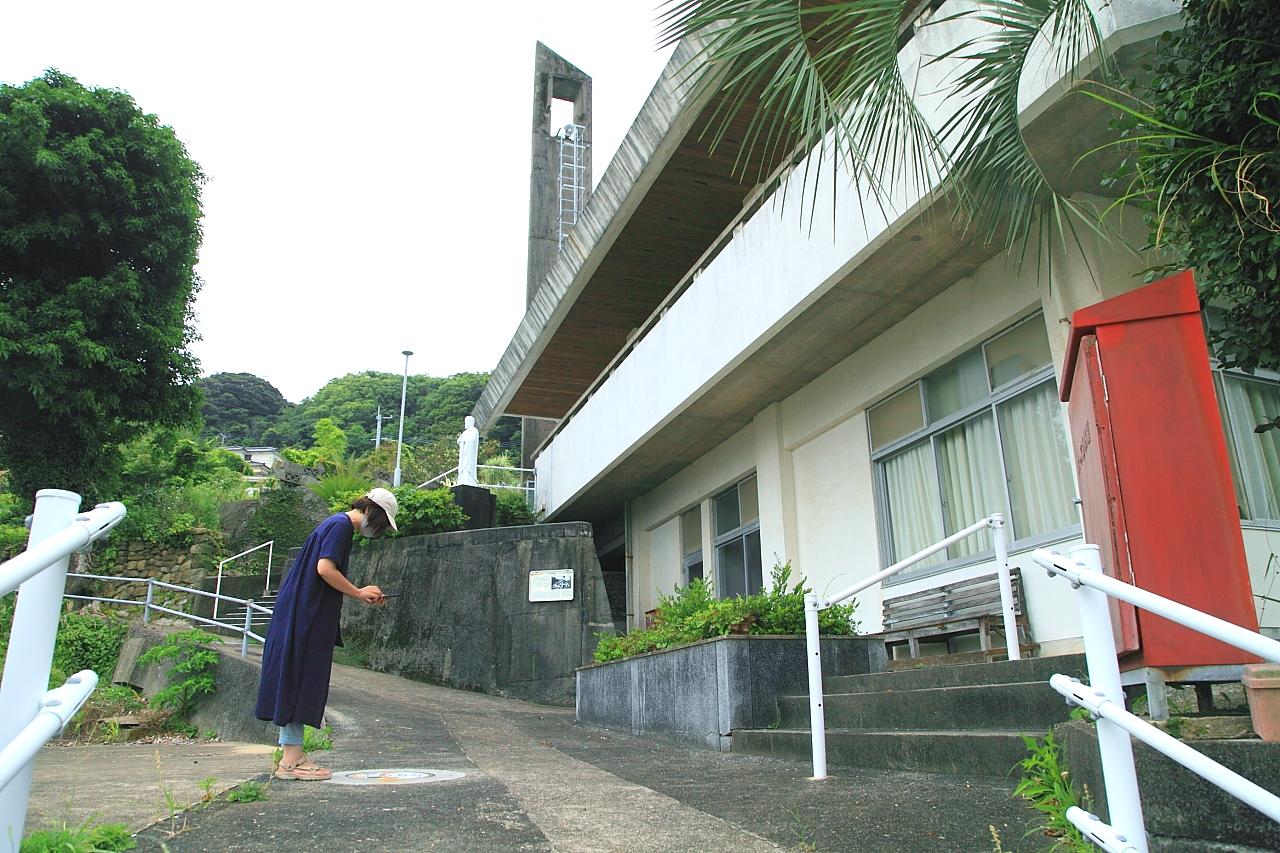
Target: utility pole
x=404, y=387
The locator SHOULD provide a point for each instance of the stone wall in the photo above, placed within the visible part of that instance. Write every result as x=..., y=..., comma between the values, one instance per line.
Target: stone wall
x=463, y=617
x=183, y=565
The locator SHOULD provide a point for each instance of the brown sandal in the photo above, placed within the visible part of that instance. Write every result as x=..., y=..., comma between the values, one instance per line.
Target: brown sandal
x=305, y=770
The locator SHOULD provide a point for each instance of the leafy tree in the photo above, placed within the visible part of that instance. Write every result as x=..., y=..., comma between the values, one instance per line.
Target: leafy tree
x=330, y=440
x=239, y=407
x=99, y=229
x=172, y=482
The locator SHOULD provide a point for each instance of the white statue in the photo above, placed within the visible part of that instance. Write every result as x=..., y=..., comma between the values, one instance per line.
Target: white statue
x=468, y=447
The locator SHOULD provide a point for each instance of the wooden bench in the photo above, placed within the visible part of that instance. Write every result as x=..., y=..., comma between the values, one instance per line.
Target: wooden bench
x=956, y=609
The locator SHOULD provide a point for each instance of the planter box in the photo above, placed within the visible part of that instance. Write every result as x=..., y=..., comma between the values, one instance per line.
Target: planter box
x=701, y=693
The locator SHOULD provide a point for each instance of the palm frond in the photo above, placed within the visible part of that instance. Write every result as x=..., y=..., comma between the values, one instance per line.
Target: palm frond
x=809, y=75
x=1000, y=189
x=812, y=73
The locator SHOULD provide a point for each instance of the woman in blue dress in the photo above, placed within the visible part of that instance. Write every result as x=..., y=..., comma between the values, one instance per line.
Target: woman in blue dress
x=297, y=657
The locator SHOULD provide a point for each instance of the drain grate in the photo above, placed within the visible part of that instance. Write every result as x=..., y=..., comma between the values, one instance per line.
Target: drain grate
x=393, y=777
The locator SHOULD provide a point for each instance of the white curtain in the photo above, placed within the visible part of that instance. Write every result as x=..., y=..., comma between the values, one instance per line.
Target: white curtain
x=969, y=465
x=913, y=502
x=1249, y=404
x=1038, y=462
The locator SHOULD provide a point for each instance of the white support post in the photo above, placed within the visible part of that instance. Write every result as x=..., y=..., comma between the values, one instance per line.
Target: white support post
x=1123, y=801
x=817, y=717
x=1007, y=607
x=217, y=590
x=30, y=654
x=248, y=626
x=151, y=594
x=271, y=549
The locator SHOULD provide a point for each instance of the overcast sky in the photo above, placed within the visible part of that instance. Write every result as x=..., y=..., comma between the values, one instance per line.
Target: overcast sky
x=368, y=163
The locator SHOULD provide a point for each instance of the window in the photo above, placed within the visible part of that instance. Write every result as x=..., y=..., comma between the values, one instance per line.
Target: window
x=736, y=519
x=981, y=434
x=691, y=535
x=1247, y=401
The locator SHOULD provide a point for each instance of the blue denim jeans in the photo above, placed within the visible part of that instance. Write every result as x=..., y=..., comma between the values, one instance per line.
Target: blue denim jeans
x=291, y=734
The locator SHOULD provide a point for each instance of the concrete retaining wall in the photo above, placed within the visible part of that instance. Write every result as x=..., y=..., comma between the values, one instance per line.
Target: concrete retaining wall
x=228, y=711
x=463, y=617
x=701, y=693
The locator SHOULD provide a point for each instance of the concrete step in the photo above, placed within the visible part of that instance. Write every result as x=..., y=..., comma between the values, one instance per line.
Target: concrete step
x=1031, y=707
x=986, y=753
x=997, y=672
x=1186, y=813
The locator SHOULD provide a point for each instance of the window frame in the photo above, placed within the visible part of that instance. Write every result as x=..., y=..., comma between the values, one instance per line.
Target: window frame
x=930, y=433
x=742, y=531
x=1220, y=376
x=690, y=557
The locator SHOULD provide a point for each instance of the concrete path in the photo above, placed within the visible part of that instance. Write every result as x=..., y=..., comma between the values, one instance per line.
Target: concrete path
x=536, y=782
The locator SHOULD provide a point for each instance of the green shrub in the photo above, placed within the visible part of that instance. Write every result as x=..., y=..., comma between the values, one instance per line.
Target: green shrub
x=513, y=509
x=280, y=515
x=425, y=511
x=1046, y=786
x=88, y=641
x=317, y=740
x=692, y=613
x=105, y=838
x=193, y=669
x=422, y=511
x=249, y=792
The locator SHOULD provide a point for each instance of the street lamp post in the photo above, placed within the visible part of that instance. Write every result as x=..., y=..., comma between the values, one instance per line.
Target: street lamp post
x=404, y=388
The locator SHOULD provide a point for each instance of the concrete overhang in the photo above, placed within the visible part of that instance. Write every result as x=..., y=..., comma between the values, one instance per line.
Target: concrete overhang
x=913, y=261
x=662, y=201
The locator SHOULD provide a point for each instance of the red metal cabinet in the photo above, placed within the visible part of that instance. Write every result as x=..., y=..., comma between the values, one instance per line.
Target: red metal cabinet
x=1155, y=483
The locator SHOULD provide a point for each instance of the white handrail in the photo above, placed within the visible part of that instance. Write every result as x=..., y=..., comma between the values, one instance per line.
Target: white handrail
x=813, y=604
x=32, y=713
x=438, y=477
x=269, y=545
x=57, y=707
x=82, y=530
x=1197, y=762
x=1104, y=698
x=1220, y=629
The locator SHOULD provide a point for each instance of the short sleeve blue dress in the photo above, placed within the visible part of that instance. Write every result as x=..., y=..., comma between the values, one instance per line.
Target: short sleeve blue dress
x=298, y=655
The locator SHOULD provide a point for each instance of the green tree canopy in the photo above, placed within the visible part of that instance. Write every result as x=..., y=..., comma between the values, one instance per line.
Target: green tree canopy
x=99, y=230
x=434, y=410
x=239, y=407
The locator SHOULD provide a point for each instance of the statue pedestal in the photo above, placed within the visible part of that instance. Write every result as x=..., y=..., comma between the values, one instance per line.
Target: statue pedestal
x=480, y=505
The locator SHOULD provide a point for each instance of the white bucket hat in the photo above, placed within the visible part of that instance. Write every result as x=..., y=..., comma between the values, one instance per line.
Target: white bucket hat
x=385, y=499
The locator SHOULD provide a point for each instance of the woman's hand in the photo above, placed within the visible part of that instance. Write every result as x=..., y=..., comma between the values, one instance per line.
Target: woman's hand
x=370, y=595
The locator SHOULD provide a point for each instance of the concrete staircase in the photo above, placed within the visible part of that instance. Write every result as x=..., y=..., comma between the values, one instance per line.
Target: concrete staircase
x=935, y=719
x=233, y=614
x=969, y=719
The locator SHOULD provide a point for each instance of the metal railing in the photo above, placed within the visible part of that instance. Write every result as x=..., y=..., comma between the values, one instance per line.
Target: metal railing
x=1103, y=697
x=270, y=545
x=813, y=604
x=525, y=475
x=32, y=712
x=149, y=604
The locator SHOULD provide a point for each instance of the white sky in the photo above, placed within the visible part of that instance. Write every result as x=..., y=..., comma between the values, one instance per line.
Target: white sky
x=368, y=163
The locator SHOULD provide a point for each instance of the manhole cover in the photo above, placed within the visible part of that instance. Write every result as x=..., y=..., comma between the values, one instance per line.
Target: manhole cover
x=393, y=777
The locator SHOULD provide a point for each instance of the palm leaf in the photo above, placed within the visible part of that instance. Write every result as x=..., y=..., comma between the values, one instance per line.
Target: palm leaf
x=815, y=75
x=825, y=75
